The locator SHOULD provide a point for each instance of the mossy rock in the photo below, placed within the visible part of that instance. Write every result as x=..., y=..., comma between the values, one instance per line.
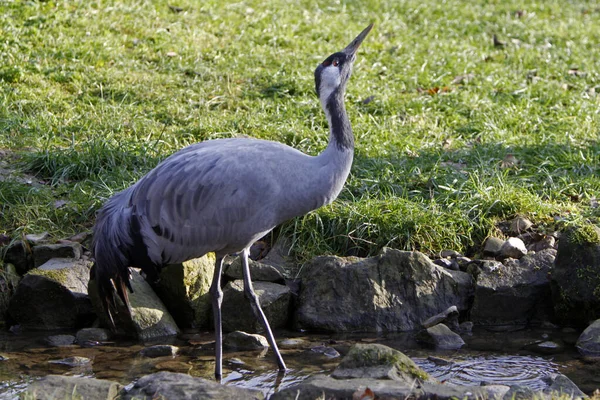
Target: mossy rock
x=576, y=276
x=376, y=361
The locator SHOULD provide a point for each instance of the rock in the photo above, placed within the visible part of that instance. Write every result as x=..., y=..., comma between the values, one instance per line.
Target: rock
x=258, y=272
x=466, y=327
x=513, y=248
x=492, y=246
x=177, y=386
x=325, y=387
x=450, y=315
x=520, y=225
x=547, y=242
x=159, y=350
x=245, y=341
x=376, y=361
x=72, y=361
x=576, y=277
x=60, y=340
x=293, y=343
x=559, y=386
x=36, y=238
x=237, y=313
x=53, y=296
x=449, y=254
x=92, y=335
x=44, y=252
x=496, y=391
x=149, y=317
x=72, y=388
x=184, y=289
x=547, y=347
x=441, y=337
x=9, y=280
x=588, y=343
x=513, y=295
x=394, y=291
x=20, y=255
x=326, y=351
x=279, y=255
x=444, y=262
x=519, y=393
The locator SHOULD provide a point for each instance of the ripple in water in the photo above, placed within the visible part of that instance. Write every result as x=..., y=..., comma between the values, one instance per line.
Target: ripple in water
x=503, y=370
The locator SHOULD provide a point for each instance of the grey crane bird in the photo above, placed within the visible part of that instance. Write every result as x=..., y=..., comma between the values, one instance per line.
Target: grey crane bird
x=221, y=196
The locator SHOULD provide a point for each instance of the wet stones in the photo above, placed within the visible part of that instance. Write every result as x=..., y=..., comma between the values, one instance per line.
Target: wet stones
x=376, y=361
x=441, y=337
x=245, y=341
x=159, y=350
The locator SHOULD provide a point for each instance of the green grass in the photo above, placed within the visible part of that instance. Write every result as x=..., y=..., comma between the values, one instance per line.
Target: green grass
x=94, y=94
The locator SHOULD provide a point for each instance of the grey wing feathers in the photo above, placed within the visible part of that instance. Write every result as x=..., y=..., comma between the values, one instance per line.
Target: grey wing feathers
x=190, y=204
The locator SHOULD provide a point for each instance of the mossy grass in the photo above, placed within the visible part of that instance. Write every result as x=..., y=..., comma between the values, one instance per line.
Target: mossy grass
x=453, y=132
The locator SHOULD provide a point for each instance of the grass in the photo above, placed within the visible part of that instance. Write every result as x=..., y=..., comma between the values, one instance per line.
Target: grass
x=453, y=133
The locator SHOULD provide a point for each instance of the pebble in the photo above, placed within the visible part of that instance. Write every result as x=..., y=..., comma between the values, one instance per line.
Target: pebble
x=160, y=350
x=60, y=340
x=513, y=248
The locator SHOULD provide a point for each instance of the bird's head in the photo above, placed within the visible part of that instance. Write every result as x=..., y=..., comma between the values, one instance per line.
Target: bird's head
x=333, y=73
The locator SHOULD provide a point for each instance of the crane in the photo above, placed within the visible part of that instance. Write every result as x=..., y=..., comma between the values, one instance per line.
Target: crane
x=221, y=196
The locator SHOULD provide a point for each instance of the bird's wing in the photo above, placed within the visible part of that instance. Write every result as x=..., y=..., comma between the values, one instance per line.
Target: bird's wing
x=205, y=198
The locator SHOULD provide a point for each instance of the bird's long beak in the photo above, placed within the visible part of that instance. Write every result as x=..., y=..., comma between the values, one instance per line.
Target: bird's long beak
x=352, y=47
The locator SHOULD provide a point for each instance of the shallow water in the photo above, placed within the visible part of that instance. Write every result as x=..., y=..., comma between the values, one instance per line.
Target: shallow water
x=490, y=358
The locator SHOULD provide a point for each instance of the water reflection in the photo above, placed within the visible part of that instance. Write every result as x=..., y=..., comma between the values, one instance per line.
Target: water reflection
x=494, y=369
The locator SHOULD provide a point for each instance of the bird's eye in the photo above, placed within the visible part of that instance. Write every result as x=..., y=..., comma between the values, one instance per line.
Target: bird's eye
x=336, y=63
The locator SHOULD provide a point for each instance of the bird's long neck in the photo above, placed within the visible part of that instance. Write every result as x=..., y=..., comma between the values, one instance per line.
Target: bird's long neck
x=340, y=130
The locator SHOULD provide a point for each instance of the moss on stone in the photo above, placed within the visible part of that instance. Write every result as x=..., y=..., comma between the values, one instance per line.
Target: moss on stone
x=586, y=235
x=373, y=355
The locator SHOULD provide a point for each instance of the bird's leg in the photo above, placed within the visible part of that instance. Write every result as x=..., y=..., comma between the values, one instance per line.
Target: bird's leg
x=216, y=294
x=260, y=315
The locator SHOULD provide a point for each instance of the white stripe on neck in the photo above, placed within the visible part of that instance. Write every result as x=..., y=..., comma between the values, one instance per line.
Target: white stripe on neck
x=330, y=80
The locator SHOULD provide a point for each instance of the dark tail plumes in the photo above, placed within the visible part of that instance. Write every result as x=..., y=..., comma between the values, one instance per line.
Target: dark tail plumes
x=111, y=244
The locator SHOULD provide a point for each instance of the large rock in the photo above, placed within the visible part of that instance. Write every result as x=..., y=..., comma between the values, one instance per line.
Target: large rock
x=394, y=291
x=576, y=276
x=513, y=294
x=149, y=316
x=71, y=388
x=175, y=386
x=184, y=289
x=376, y=361
x=325, y=387
x=53, y=296
x=237, y=314
x=588, y=343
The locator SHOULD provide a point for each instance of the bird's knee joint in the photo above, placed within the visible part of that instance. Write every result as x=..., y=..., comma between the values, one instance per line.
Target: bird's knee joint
x=216, y=294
